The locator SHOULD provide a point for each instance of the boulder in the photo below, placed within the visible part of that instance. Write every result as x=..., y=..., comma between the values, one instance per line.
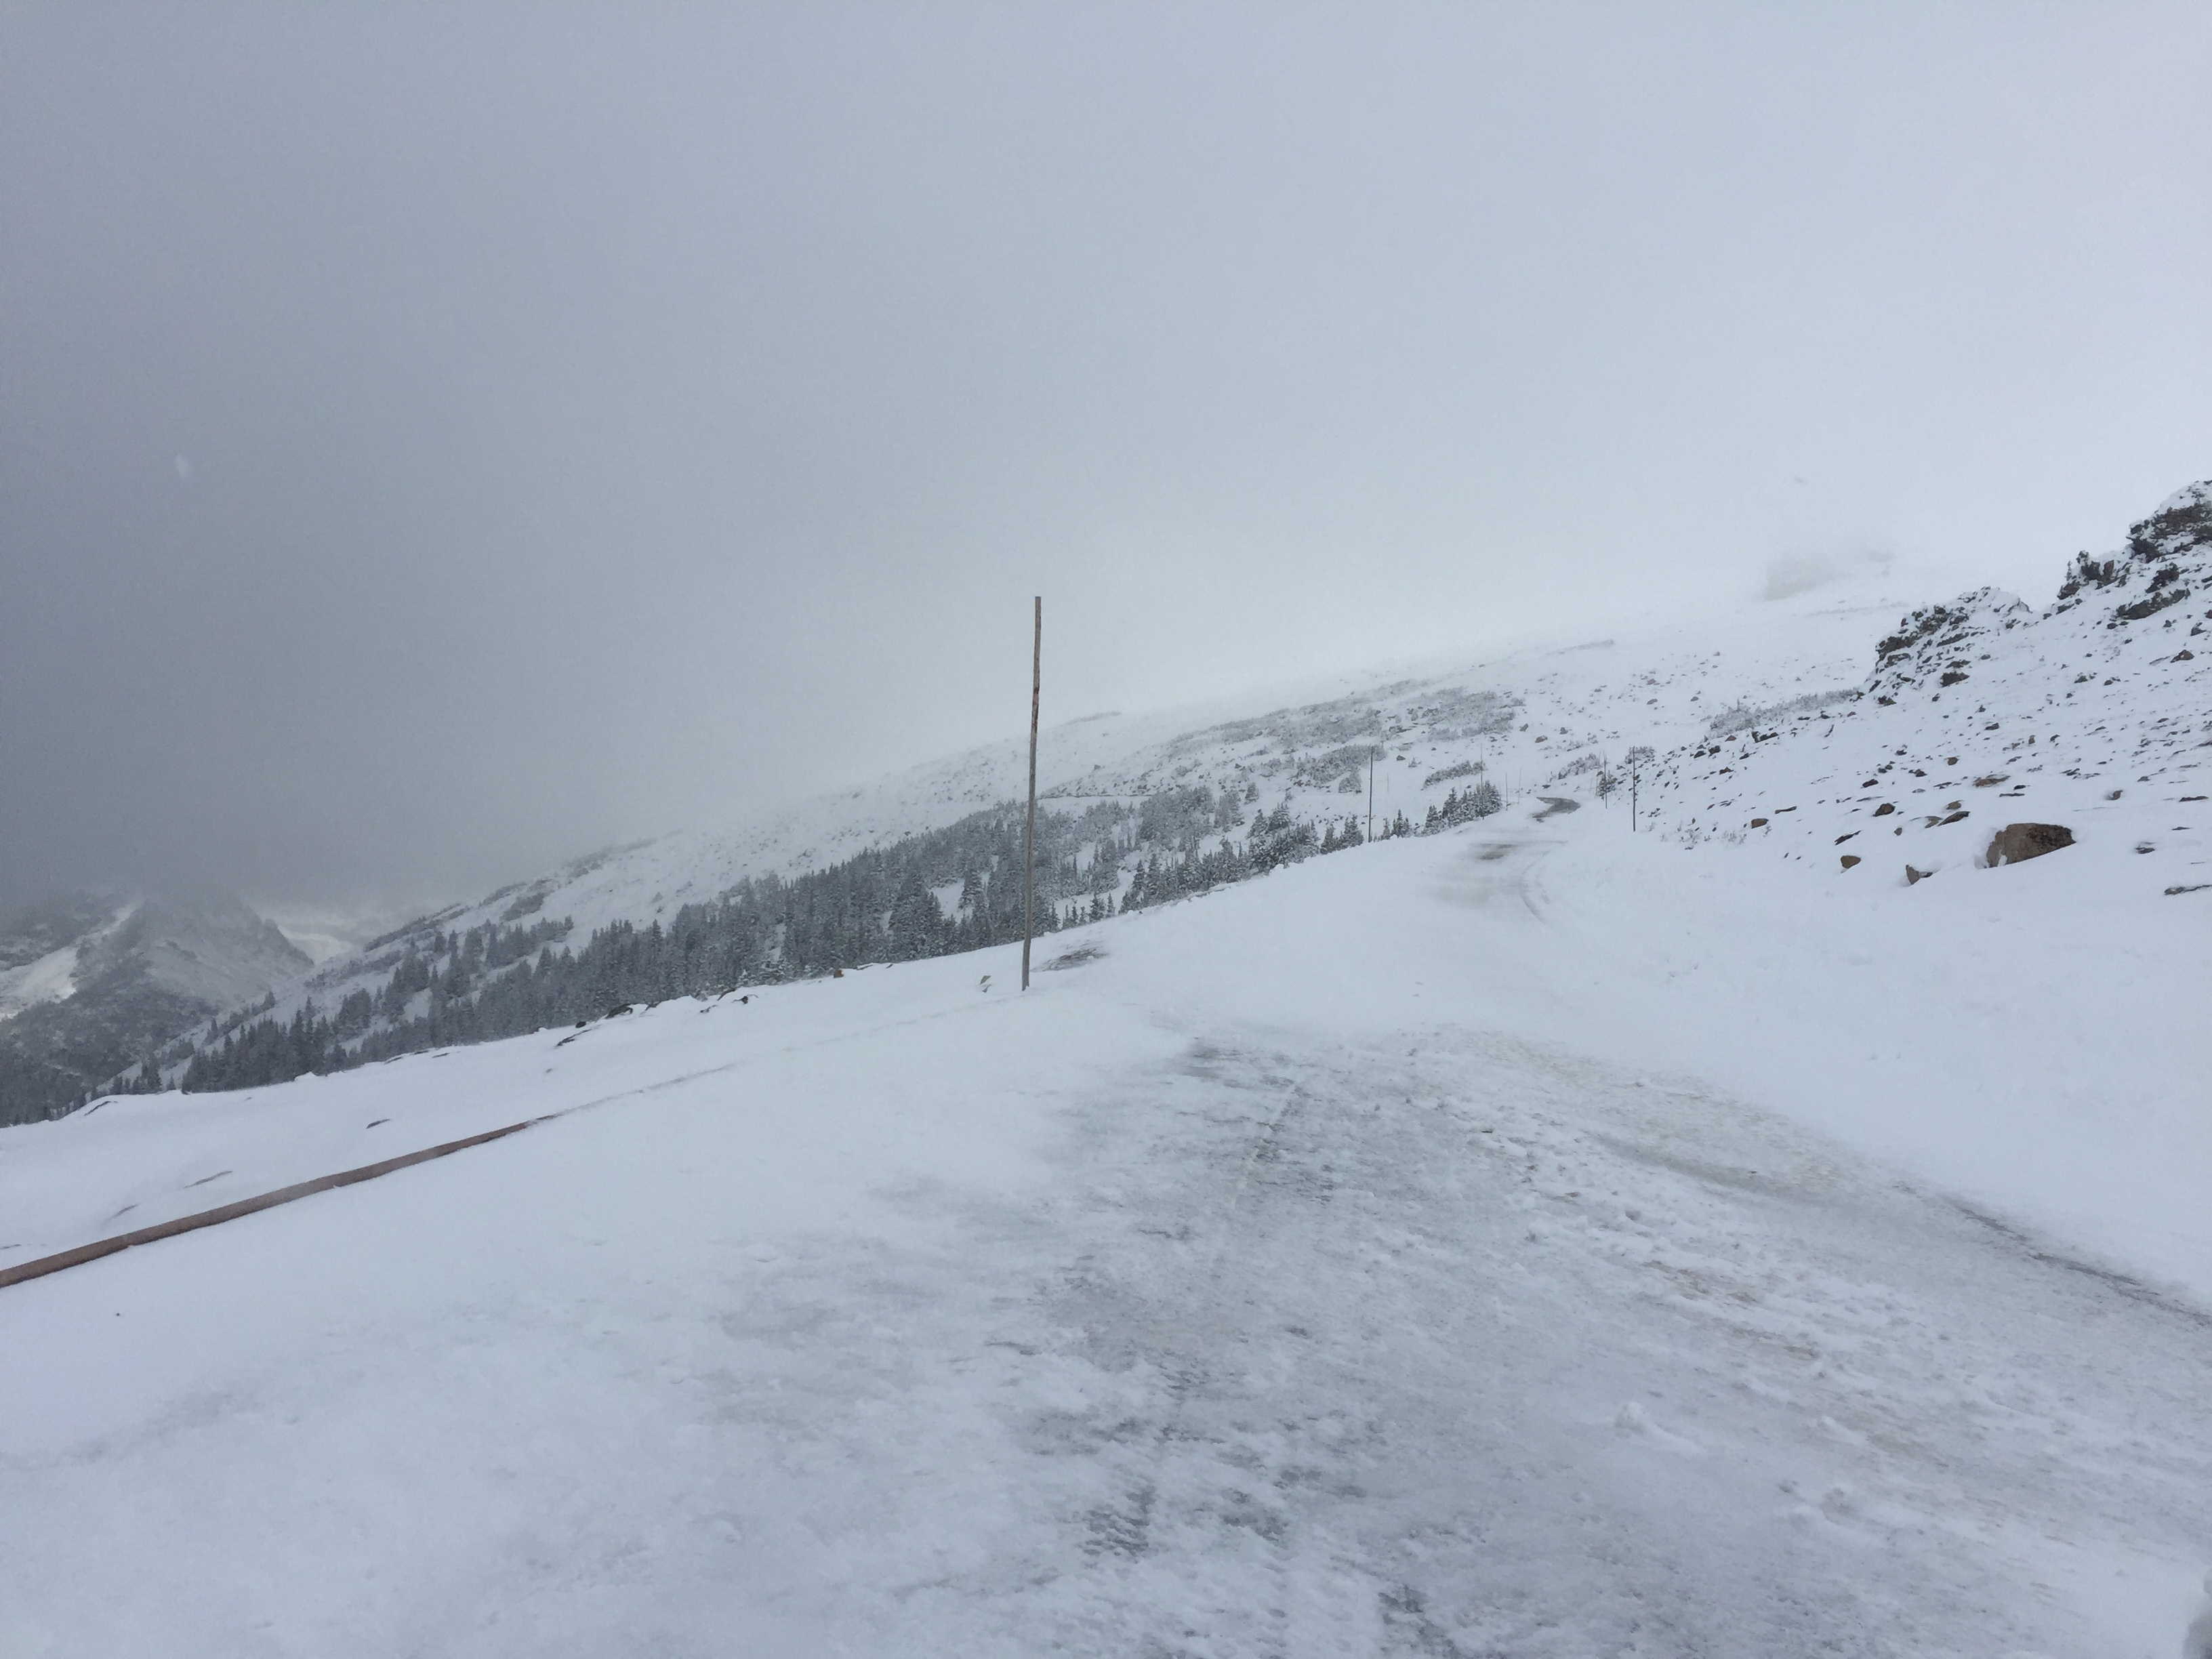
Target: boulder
x=1849, y=858
x=2016, y=841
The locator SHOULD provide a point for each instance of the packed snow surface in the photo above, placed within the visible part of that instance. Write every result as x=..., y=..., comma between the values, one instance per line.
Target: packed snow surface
x=1535, y=1239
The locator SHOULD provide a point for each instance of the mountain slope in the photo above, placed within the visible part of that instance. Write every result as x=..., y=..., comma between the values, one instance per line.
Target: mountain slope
x=1744, y=727
x=1132, y=810
x=93, y=983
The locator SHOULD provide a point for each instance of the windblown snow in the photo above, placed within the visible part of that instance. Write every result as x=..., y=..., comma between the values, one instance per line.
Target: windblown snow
x=1540, y=1238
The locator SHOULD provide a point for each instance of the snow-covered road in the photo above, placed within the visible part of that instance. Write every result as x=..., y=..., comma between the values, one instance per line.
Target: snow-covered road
x=1264, y=1286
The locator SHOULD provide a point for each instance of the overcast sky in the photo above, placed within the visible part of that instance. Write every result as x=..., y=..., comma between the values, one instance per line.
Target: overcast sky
x=437, y=440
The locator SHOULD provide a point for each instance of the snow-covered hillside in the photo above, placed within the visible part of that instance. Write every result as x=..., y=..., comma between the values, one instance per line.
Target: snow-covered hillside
x=1800, y=722
x=1548, y=716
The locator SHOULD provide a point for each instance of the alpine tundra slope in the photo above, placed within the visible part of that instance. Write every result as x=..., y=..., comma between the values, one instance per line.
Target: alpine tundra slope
x=1540, y=1238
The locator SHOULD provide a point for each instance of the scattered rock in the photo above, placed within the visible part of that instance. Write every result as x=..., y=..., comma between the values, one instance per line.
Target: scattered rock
x=1885, y=809
x=2194, y=887
x=2185, y=655
x=1849, y=858
x=1990, y=779
x=1912, y=875
x=2016, y=841
x=1758, y=823
x=1840, y=840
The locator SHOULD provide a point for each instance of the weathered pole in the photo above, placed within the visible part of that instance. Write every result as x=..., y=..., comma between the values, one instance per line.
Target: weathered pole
x=1029, y=835
x=1370, y=792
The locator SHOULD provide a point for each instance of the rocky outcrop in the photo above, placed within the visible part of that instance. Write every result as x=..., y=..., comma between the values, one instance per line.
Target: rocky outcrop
x=2167, y=559
x=1938, y=645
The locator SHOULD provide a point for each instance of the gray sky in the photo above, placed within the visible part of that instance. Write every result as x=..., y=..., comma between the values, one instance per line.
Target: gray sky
x=434, y=441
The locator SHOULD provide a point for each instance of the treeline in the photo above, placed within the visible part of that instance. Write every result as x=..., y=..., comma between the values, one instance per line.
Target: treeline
x=1463, y=807
x=948, y=890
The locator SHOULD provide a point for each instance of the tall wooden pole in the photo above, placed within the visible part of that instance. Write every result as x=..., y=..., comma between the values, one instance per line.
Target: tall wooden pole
x=1370, y=793
x=1029, y=836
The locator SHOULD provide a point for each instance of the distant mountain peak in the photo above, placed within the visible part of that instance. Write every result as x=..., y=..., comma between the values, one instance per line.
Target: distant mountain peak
x=94, y=981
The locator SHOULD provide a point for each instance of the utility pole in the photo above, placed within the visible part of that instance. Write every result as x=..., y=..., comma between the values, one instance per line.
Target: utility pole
x=1029, y=836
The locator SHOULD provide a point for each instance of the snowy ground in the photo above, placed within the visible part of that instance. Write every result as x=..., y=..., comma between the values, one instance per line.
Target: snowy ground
x=1526, y=1241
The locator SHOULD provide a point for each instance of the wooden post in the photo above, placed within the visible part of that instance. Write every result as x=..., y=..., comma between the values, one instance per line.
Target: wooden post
x=1370, y=792
x=1028, y=838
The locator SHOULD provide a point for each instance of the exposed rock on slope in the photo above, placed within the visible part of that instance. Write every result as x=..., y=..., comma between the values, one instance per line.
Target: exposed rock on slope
x=2167, y=560
x=1937, y=645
